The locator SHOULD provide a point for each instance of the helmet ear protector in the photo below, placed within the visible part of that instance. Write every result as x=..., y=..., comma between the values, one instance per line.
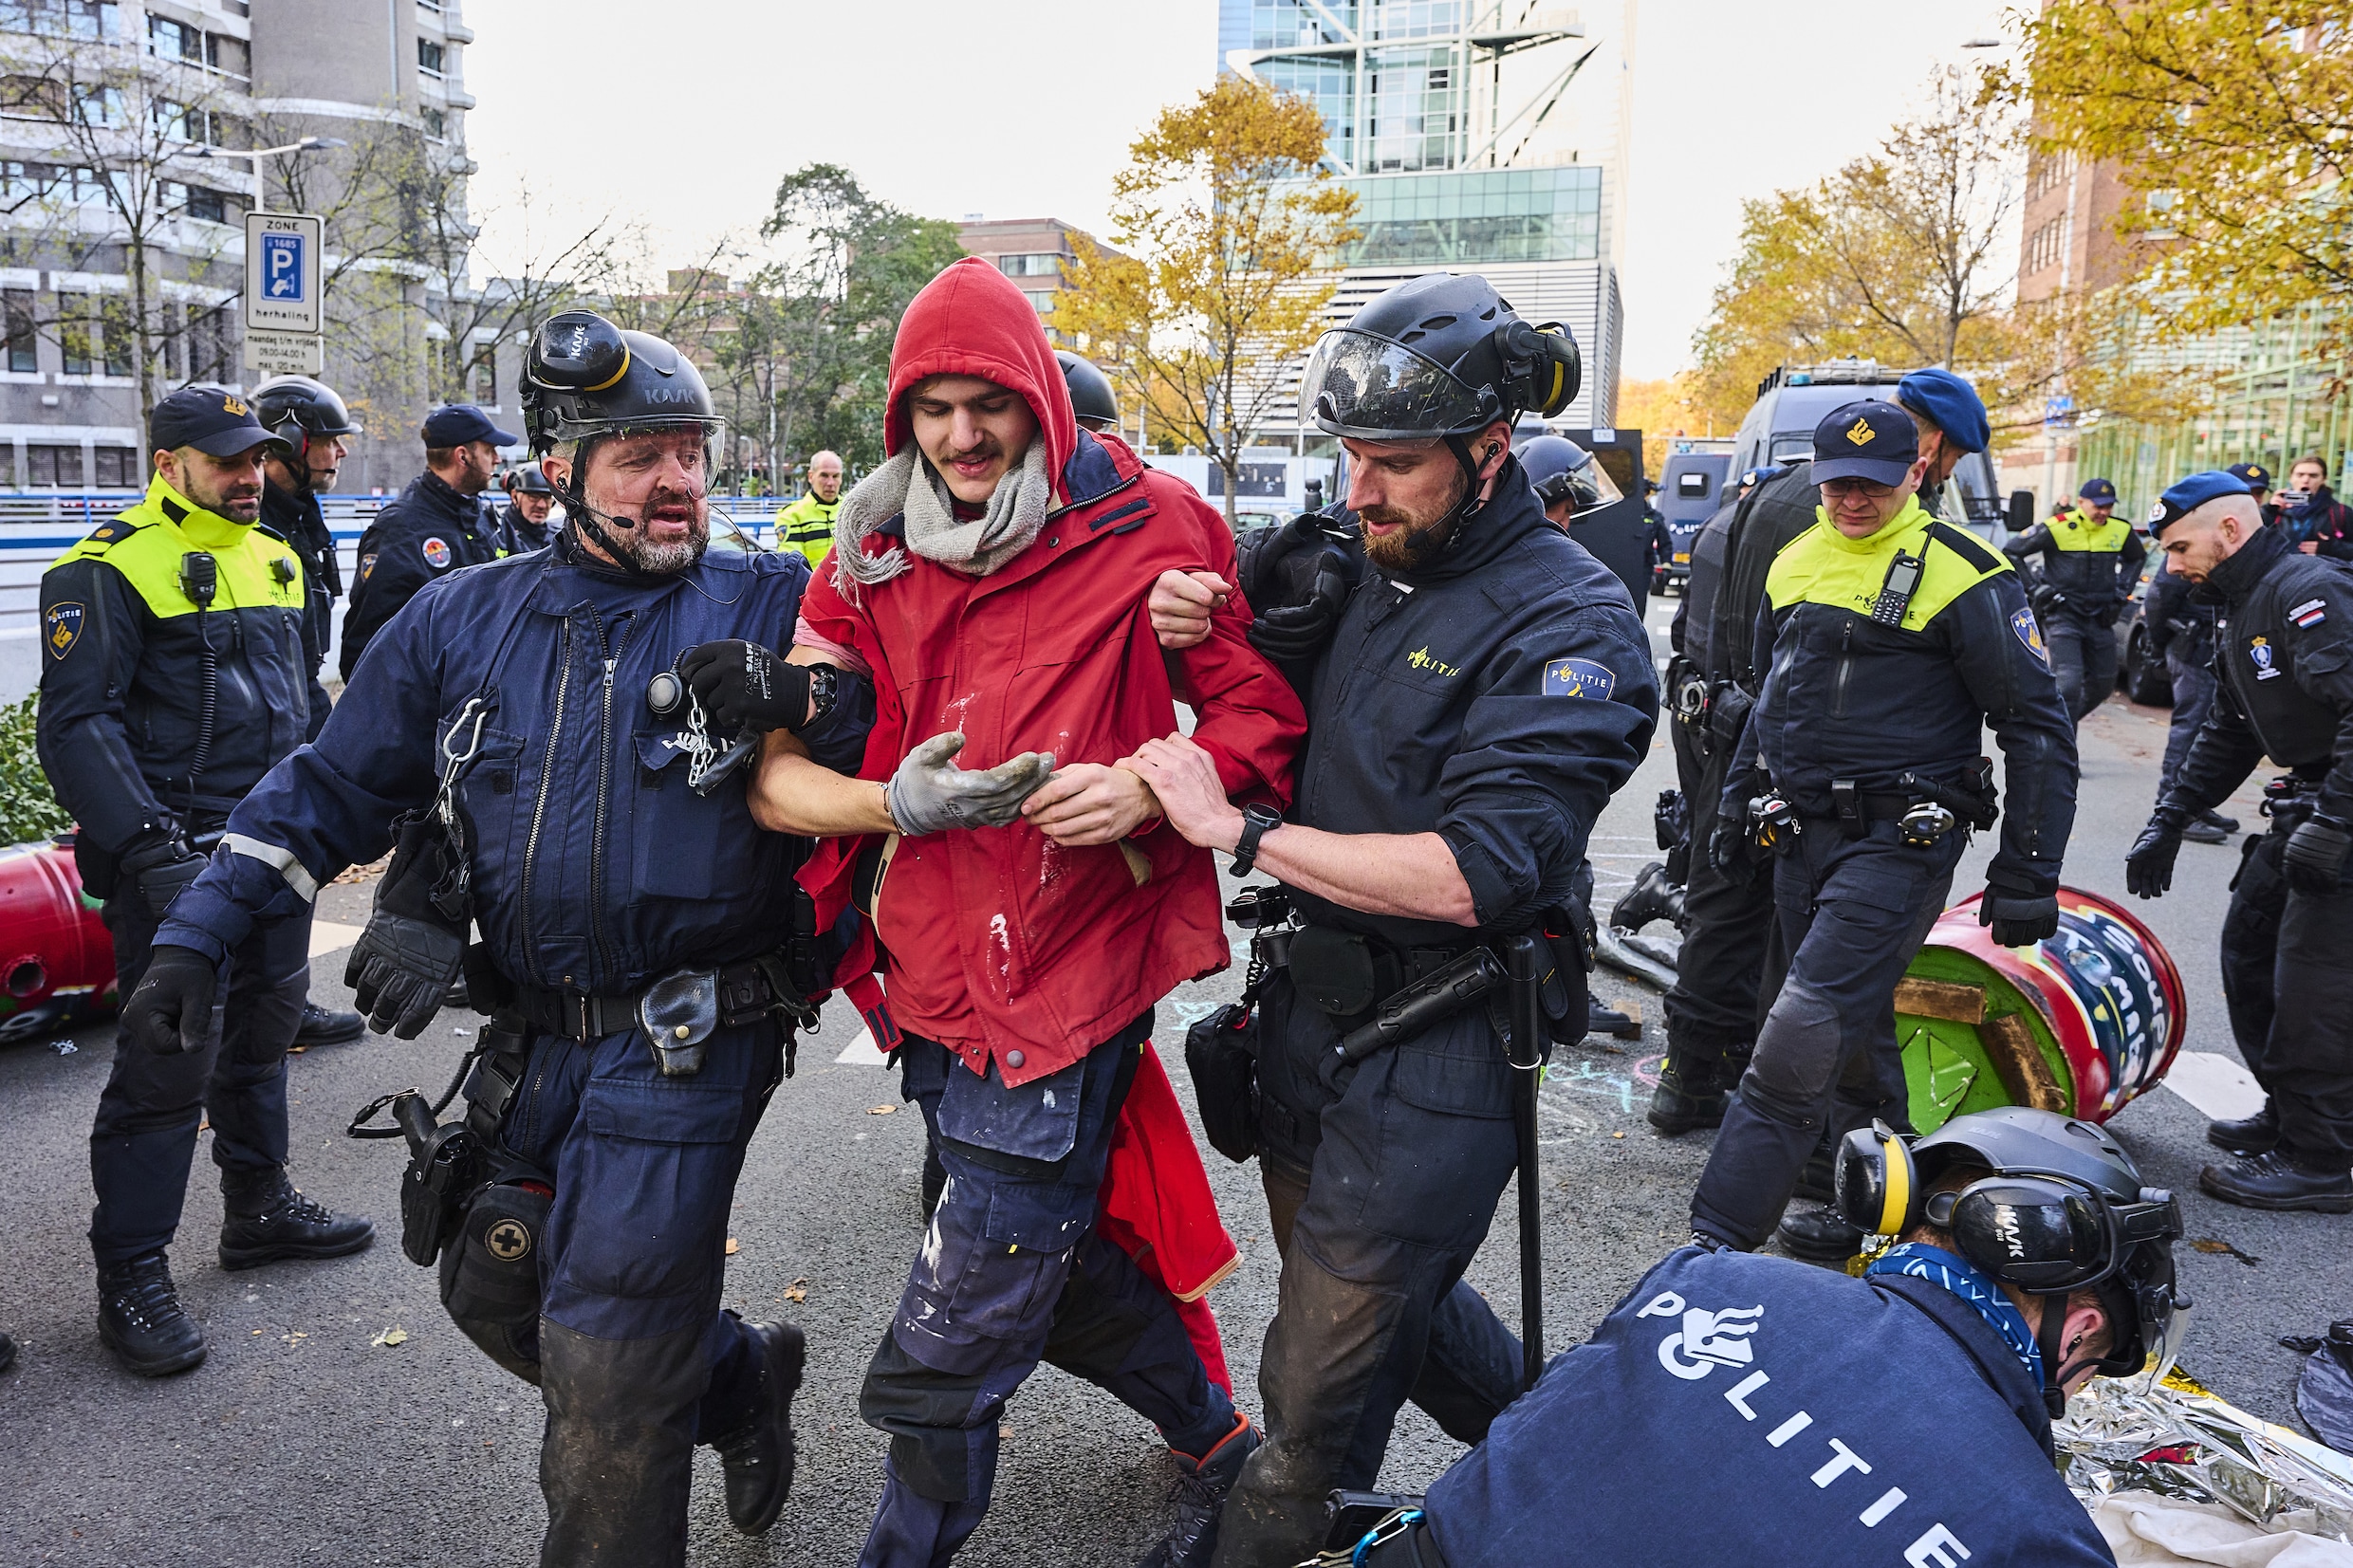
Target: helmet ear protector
x=577, y=351
x=1542, y=363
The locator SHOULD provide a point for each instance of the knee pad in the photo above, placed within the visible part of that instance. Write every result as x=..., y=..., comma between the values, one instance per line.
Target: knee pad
x=1797, y=1055
x=489, y=1275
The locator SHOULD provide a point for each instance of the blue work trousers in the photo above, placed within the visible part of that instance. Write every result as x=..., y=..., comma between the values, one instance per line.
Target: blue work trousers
x=2194, y=697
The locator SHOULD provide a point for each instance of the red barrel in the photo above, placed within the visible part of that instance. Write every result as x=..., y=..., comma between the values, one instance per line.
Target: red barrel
x=57, y=961
x=2082, y=1023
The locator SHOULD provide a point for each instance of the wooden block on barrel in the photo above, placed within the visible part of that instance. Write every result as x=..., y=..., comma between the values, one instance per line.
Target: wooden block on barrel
x=1955, y=1003
x=2009, y=1046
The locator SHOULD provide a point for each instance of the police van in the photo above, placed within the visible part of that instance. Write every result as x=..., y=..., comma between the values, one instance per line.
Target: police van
x=1699, y=479
x=1794, y=398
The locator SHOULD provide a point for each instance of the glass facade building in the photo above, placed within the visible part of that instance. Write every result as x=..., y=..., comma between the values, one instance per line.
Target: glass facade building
x=1478, y=215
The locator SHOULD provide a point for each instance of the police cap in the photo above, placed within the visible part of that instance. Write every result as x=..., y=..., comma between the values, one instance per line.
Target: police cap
x=2189, y=494
x=454, y=424
x=1871, y=440
x=212, y=419
x=1949, y=404
x=2099, y=492
x=2256, y=474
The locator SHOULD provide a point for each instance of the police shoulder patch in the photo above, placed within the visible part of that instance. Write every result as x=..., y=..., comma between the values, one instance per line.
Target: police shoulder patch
x=367, y=564
x=436, y=552
x=1579, y=678
x=2309, y=614
x=63, y=628
x=2030, y=633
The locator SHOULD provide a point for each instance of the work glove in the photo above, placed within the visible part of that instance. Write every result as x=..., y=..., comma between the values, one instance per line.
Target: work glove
x=2019, y=922
x=743, y=686
x=1299, y=632
x=170, y=1011
x=162, y=867
x=1728, y=851
x=2149, y=864
x=2314, y=856
x=1297, y=579
x=401, y=970
x=930, y=792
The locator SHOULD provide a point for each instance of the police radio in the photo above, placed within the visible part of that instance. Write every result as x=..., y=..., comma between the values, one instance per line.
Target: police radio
x=200, y=578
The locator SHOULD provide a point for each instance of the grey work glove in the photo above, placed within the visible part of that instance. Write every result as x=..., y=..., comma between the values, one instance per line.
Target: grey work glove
x=2313, y=858
x=930, y=792
x=171, y=1008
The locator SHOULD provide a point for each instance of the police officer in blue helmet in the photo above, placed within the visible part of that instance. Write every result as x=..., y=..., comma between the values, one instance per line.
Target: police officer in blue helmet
x=1810, y=1420
x=1567, y=480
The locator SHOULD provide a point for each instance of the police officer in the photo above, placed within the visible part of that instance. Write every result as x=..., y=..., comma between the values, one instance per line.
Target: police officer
x=807, y=525
x=1567, y=479
x=1729, y=956
x=1891, y=640
x=2255, y=477
x=2285, y=656
x=2091, y=562
x=1477, y=698
x=1092, y=401
x=177, y=670
x=524, y=526
x=1812, y=1421
x=313, y=422
x=2181, y=625
x=632, y=925
x=436, y=526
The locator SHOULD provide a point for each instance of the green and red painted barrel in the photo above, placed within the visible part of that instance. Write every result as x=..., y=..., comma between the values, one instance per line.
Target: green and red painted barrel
x=57, y=961
x=2081, y=1023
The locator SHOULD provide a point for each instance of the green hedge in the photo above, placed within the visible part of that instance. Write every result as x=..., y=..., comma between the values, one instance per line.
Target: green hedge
x=27, y=810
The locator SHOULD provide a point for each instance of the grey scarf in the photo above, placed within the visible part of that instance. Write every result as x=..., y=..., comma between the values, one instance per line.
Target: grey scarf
x=1016, y=513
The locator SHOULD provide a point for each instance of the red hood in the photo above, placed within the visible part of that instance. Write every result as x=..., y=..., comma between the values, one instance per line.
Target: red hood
x=971, y=321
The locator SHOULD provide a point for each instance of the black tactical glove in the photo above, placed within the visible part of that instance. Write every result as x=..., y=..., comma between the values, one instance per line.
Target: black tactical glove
x=1729, y=852
x=1300, y=631
x=2314, y=856
x=2149, y=864
x=1297, y=579
x=2018, y=922
x=162, y=867
x=399, y=970
x=743, y=686
x=171, y=1008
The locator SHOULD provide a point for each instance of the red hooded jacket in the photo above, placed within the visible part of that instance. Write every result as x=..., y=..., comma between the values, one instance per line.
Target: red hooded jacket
x=997, y=942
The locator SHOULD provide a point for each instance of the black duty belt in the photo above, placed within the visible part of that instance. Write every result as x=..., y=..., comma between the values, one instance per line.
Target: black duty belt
x=1869, y=805
x=1348, y=973
x=746, y=993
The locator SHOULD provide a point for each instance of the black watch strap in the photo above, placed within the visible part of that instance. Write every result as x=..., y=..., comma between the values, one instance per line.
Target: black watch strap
x=1256, y=822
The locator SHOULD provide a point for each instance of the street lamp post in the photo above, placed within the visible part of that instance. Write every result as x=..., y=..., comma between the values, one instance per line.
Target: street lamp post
x=261, y=194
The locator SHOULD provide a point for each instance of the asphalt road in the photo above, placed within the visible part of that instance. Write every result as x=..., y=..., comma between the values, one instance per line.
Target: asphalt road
x=303, y=1440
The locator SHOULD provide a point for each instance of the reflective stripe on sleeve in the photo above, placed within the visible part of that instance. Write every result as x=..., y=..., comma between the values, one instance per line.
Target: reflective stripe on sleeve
x=280, y=860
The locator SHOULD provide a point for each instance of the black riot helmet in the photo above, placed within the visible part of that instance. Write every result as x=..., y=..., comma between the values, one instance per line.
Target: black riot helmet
x=530, y=481
x=293, y=407
x=1437, y=355
x=1091, y=397
x=1563, y=470
x=2062, y=1210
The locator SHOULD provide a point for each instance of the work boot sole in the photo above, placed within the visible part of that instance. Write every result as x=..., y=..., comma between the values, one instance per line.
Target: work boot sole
x=162, y=1366
x=784, y=1355
x=235, y=1259
x=2319, y=1203
x=2242, y=1146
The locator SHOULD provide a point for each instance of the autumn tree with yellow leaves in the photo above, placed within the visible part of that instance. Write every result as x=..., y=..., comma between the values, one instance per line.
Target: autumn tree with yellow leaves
x=1231, y=225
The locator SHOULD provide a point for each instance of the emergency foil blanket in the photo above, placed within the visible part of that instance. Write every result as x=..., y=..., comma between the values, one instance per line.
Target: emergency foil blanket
x=2175, y=1437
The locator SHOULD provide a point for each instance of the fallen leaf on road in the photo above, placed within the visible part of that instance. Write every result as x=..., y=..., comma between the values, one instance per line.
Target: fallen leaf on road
x=391, y=1336
x=296, y=1051
x=797, y=1291
x=881, y=1109
x=733, y=1246
x=2214, y=1244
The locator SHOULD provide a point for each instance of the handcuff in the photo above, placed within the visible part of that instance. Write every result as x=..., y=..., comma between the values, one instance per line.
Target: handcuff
x=707, y=764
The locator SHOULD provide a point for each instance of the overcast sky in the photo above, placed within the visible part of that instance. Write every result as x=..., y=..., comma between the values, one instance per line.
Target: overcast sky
x=684, y=113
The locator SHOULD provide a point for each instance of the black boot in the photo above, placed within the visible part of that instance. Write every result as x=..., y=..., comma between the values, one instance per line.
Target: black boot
x=1601, y=1019
x=2255, y=1135
x=1820, y=1236
x=2274, y=1180
x=1201, y=1497
x=140, y=1319
x=2215, y=818
x=758, y=1459
x=1682, y=1104
x=1654, y=897
x=2199, y=831
x=267, y=1220
x=321, y=1027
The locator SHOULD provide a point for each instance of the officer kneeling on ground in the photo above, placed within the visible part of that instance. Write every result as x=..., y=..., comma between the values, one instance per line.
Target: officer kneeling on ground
x=2285, y=654
x=1473, y=703
x=524, y=730
x=1891, y=640
x=1746, y=1410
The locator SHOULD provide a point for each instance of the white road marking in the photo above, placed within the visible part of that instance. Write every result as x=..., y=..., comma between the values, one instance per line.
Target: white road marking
x=2217, y=1087
x=326, y=937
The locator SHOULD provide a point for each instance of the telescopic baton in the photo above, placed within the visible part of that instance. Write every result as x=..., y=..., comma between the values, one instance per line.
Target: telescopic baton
x=1524, y=969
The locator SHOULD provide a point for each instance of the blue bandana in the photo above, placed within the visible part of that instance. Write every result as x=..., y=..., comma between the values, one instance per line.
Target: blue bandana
x=1918, y=1261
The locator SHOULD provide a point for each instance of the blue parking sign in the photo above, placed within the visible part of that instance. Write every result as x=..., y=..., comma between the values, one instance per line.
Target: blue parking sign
x=281, y=267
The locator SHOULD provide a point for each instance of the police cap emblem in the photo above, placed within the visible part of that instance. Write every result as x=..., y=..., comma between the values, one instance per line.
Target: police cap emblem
x=1861, y=432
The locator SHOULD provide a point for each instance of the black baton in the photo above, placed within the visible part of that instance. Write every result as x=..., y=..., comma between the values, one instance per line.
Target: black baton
x=1525, y=964
x=1446, y=992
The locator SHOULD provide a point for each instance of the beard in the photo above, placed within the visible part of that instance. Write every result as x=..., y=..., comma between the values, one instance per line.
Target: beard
x=1420, y=542
x=636, y=550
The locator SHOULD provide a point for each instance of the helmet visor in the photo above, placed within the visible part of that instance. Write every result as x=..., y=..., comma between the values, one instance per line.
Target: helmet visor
x=1587, y=487
x=1374, y=389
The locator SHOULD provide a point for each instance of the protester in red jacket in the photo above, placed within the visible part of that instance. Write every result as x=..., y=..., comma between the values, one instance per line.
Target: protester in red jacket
x=992, y=579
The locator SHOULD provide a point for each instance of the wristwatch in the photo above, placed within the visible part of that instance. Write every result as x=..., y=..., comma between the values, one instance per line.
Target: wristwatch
x=1256, y=821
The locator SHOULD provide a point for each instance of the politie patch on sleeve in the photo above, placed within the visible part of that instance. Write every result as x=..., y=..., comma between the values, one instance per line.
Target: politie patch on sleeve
x=368, y=566
x=1579, y=678
x=64, y=627
x=2030, y=633
x=437, y=553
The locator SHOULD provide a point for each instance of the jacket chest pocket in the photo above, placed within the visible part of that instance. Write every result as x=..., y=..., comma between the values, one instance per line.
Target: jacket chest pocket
x=491, y=797
x=688, y=845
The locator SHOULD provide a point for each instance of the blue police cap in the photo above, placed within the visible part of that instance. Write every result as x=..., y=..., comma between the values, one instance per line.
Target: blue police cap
x=1868, y=440
x=2256, y=474
x=1949, y=403
x=2101, y=493
x=454, y=424
x=2189, y=494
x=212, y=419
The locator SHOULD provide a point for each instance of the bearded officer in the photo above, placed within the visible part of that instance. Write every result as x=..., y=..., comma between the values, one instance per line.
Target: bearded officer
x=2091, y=560
x=2283, y=650
x=177, y=673
x=431, y=528
x=540, y=697
x=1473, y=703
x=1891, y=640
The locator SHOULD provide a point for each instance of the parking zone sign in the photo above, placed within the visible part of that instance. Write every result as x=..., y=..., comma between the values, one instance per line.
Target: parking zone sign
x=282, y=257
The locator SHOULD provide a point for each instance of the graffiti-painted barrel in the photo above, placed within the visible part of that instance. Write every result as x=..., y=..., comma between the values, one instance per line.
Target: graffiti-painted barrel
x=2081, y=1023
x=57, y=961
